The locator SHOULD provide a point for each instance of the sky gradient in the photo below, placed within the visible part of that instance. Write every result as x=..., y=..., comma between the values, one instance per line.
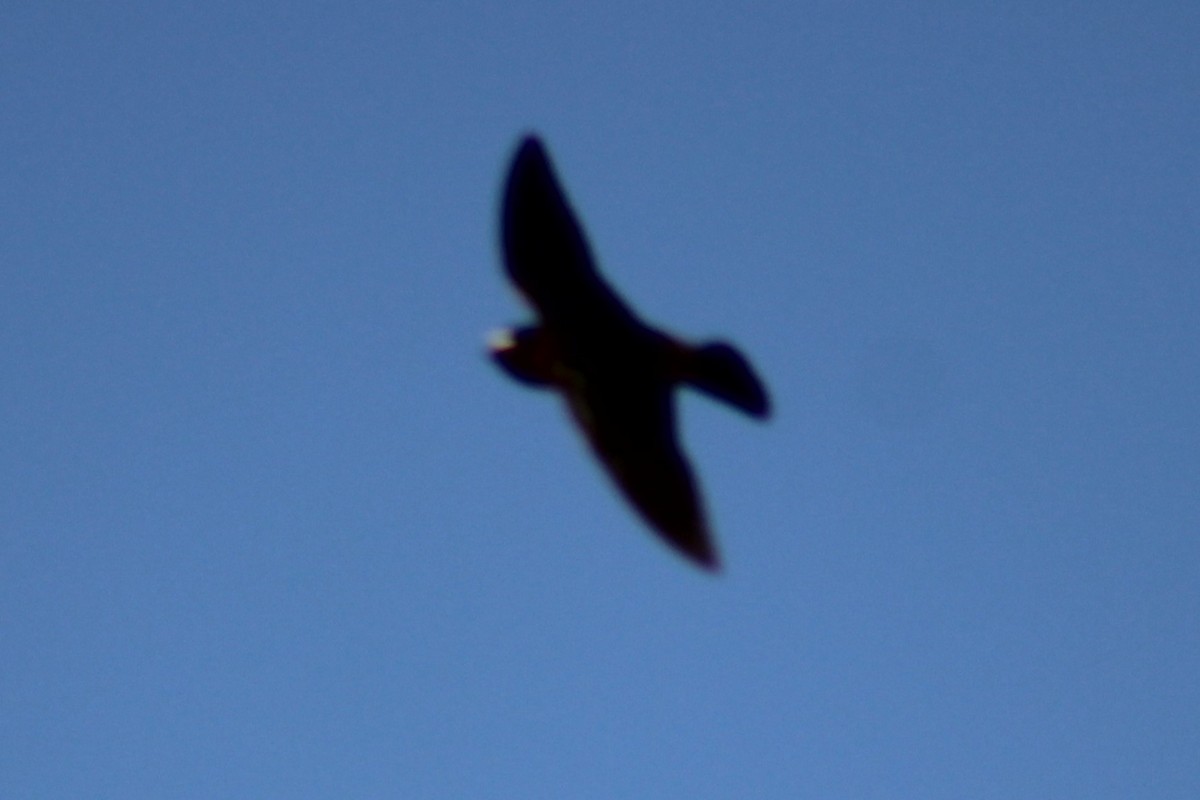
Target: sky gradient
x=271, y=524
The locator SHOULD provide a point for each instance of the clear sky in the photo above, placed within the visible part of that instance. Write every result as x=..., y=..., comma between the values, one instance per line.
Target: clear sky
x=272, y=526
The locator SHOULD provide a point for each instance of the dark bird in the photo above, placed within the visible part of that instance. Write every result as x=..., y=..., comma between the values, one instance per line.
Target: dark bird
x=616, y=373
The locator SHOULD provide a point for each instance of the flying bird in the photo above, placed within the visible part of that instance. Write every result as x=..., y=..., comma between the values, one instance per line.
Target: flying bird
x=617, y=374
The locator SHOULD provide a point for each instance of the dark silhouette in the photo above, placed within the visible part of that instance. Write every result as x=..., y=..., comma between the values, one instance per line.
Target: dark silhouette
x=616, y=373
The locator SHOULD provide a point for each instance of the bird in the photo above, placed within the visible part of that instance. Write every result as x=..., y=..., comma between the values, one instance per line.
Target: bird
x=616, y=373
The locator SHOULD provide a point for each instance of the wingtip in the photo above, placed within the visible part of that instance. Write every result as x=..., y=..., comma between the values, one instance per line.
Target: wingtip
x=530, y=145
x=698, y=551
x=708, y=563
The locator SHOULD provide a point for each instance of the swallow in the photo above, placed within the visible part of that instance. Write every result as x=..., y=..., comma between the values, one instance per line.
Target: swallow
x=617, y=374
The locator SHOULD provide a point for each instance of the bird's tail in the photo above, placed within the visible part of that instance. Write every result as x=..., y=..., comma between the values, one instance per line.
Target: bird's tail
x=719, y=370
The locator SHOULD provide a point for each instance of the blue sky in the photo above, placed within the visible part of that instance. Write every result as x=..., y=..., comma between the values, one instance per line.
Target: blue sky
x=271, y=525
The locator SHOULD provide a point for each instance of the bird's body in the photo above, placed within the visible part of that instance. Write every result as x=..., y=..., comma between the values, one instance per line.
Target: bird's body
x=617, y=374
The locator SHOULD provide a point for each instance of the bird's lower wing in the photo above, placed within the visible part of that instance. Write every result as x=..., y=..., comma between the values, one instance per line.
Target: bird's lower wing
x=639, y=449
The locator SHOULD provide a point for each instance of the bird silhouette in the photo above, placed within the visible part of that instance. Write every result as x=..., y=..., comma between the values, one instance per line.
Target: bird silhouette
x=616, y=373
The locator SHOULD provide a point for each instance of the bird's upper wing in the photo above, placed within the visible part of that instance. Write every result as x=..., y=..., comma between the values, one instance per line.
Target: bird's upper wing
x=636, y=441
x=545, y=250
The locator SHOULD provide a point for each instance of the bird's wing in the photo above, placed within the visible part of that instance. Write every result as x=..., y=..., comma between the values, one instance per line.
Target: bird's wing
x=635, y=439
x=545, y=250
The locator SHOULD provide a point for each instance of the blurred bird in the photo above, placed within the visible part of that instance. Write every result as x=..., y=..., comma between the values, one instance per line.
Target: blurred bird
x=616, y=373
